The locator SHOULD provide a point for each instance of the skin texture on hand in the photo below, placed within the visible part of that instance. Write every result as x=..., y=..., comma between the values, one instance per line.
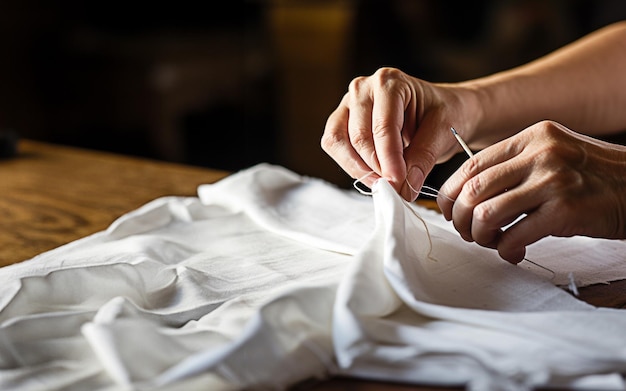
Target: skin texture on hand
x=396, y=126
x=563, y=182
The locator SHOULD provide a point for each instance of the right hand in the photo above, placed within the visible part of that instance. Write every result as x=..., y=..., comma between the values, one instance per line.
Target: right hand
x=563, y=182
x=397, y=127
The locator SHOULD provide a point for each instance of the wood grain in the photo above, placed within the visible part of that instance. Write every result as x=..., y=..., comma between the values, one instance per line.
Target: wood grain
x=51, y=195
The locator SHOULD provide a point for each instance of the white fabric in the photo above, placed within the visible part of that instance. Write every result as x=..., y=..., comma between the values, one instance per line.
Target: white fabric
x=267, y=278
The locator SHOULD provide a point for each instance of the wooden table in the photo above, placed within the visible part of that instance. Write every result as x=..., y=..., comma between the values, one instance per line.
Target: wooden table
x=51, y=195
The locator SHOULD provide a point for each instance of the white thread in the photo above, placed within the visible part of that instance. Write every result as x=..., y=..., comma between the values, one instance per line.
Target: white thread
x=430, y=241
x=358, y=181
x=432, y=192
x=355, y=184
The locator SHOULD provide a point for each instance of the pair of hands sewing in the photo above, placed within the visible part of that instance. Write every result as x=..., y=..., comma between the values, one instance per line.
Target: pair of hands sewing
x=564, y=183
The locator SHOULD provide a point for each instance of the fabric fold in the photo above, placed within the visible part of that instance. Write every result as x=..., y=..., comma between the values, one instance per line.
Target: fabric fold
x=409, y=309
x=268, y=278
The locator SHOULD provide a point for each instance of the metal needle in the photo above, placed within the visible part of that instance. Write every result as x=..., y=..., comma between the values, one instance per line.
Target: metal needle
x=460, y=140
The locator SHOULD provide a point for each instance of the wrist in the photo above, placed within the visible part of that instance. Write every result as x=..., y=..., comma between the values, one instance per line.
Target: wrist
x=468, y=102
x=503, y=105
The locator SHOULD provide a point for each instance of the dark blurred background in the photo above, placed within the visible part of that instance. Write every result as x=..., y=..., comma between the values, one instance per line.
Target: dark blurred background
x=232, y=83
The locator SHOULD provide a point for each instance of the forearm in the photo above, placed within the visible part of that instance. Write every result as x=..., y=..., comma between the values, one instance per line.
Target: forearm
x=582, y=85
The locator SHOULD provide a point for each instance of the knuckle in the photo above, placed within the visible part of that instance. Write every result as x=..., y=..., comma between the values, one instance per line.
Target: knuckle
x=360, y=138
x=388, y=78
x=334, y=133
x=473, y=188
x=356, y=85
x=483, y=213
x=554, y=146
x=545, y=128
x=382, y=126
x=550, y=128
x=330, y=139
x=387, y=73
x=470, y=168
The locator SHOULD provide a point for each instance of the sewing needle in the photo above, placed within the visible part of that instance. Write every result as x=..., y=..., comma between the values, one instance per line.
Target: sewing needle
x=460, y=140
x=471, y=154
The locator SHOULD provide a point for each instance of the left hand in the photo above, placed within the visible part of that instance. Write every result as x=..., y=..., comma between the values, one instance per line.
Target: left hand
x=565, y=183
x=396, y=126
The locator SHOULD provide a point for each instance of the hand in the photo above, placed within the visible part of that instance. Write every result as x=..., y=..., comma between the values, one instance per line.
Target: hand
x=396, y=126
x=564, y=183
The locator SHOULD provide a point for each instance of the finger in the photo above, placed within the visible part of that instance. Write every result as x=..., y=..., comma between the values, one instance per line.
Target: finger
x=484, y=203
x=491, y=216
x=336, y=143
x=360, y=103
x=533, y=227
x=388, y=116
x=451, y=188
x=422, y=154
x=489, y=157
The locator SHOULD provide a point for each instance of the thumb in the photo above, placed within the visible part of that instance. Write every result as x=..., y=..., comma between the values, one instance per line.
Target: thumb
x=432, y=143
x=419, y=165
